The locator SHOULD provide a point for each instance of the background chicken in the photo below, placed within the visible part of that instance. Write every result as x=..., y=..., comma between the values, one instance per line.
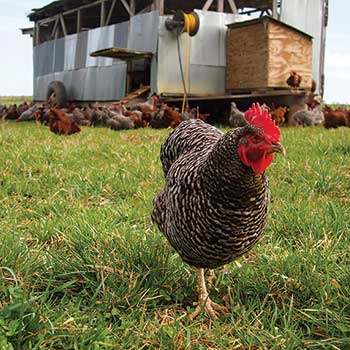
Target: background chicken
x=214, y=205
x=294, y=79
x=236, y=118
x=61, y=124
x=278, y=114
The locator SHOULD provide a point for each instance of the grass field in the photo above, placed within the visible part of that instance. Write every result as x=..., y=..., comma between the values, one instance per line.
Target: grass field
x=82, y=267
x=10, y=100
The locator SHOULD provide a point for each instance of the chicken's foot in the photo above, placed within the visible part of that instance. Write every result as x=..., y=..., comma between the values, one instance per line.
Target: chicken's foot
x=204, y=301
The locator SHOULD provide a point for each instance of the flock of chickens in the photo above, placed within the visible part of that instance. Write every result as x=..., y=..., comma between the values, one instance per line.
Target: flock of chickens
x=67, y=121
x=156, y=114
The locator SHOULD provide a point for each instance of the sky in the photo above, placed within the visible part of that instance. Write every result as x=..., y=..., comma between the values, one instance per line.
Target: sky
x=16, y=68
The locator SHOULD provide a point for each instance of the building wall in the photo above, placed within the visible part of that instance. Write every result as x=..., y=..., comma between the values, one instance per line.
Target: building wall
x=207, y=56
x=100, y=79
x=93, y=78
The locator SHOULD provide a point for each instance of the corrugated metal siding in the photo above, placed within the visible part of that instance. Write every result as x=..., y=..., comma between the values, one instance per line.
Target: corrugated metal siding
x=89, y=78
x=208, y=47
x=207, y=56
x=121, y=34
x=99, y=38
x=81, y=50
x=59, y=54
x=307, y=16
x=143, y=34
x=70, y=51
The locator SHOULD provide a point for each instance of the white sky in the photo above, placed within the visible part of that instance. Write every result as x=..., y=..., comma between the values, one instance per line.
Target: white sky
x=16, y=71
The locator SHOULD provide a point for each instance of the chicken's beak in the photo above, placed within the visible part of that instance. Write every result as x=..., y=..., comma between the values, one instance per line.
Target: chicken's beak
x=277, y=147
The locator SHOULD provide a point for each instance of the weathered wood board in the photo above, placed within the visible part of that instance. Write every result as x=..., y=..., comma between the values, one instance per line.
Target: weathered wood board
x=261, y=54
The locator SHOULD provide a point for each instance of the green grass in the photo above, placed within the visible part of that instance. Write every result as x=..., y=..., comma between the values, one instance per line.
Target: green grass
x=10, y=100
x=82, y=267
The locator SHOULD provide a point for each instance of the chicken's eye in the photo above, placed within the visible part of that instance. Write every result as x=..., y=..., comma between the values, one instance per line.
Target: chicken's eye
x=256, y=138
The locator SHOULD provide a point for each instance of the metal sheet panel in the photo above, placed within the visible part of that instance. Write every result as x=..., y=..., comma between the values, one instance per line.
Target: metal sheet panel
x=121, y=34
x=201, y=75
x=59, y=54
x=105, y=83
x=207, y=56
x=37, y=88
x=307, y=16
x=77, y=87
x=98, y=39
x=208, y=47
x=70, y=51
x=143, y=34
x=36, y=57
x=81, y=50
x=48, y=57
x=154, y=74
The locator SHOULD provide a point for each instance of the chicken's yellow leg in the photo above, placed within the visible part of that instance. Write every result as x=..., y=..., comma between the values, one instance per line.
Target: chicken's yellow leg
x=204, y=301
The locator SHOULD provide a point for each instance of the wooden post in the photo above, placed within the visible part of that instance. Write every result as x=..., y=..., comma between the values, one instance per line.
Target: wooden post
x=54, y=29
x=110, y=12
x=207, y=5
x=63, y=25
x=233, y=6
x=323, y=45
x=127, y=7
x=274, y=9
x=220, y=7
x=133, y=7
x=78, y=21
x=37, y=33
x=102, y=14
x=160, y=5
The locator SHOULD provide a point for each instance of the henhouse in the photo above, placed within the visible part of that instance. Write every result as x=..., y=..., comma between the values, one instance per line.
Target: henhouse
x=104, y=50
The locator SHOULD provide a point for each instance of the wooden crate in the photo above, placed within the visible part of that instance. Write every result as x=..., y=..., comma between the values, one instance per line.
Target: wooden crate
x=261, y=53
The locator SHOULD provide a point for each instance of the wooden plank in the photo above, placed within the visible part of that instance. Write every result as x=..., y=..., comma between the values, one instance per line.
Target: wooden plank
x=102, y=13
x=233, y=6
x=121, y=53
x=247, y=57
x=63, y=25
x=110, y=13
x=274, y=9
x=161, y=7
x=127, y=7
x=133, y=6
x=207, y=5
x=288, y=51
x=79, y=21
x=53, y=18
x=273, y=93
x=148, y=8
x=54, y=29
x=220, y=6
x=37, y=33
x=323, y=44
x=135, y=94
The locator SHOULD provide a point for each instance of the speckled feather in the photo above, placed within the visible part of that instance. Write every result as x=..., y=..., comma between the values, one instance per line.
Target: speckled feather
x=213, y=208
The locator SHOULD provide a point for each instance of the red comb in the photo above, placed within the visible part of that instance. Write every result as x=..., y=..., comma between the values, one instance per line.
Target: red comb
x=262, y=119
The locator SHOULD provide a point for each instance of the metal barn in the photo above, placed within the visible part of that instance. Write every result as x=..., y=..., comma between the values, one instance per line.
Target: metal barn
x=72, y=38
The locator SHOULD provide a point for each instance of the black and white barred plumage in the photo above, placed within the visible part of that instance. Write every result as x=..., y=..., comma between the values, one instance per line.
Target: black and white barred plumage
x=213, y=208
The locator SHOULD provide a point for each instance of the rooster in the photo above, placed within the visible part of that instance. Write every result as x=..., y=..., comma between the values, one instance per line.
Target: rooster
x=215, y=202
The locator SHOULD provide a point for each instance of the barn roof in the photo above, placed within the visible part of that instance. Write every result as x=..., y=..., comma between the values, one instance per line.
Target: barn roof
x=60, y=6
